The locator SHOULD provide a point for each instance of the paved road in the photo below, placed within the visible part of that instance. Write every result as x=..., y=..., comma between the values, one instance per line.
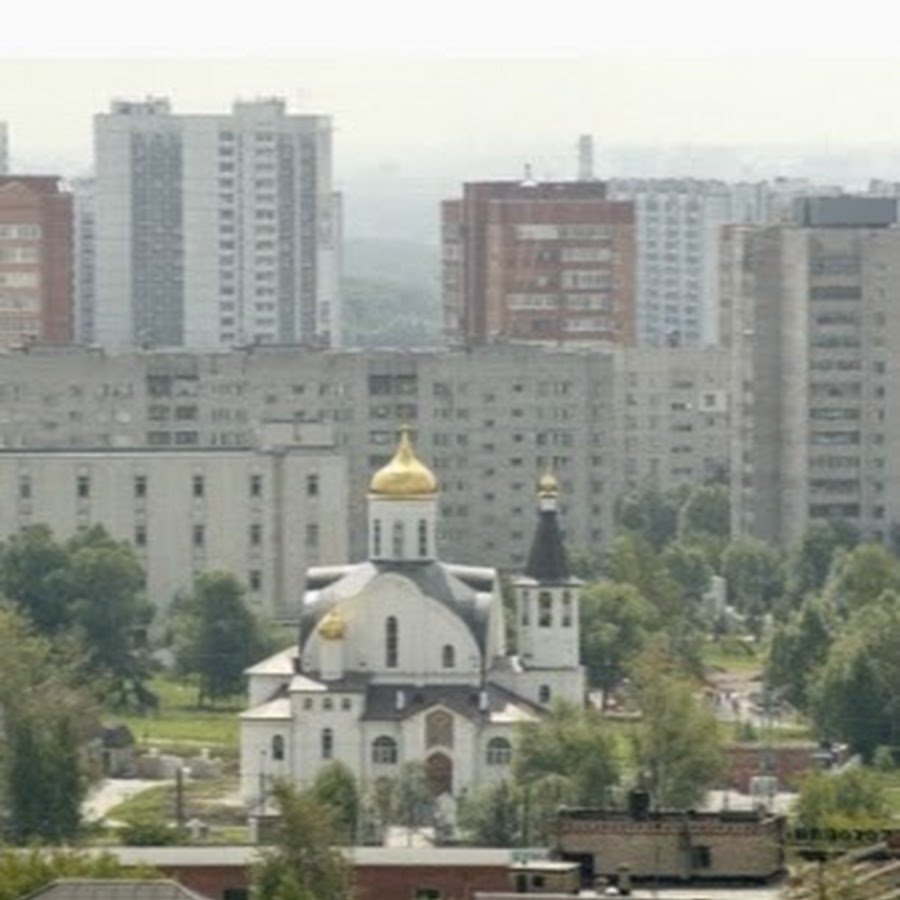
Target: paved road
x=110, y=793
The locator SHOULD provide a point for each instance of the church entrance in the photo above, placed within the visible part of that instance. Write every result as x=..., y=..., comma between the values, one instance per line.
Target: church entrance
x=439, y=774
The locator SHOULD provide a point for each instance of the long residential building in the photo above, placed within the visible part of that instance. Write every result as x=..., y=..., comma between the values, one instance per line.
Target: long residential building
x=215, y=230
x=814, y=309
x=487, y=421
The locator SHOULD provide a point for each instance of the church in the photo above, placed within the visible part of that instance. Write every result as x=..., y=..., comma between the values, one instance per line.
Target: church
x=404, y=657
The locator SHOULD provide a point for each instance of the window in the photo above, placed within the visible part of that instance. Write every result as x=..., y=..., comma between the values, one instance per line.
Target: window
x=198, y=486
x=83, y=487
x=140, y=535
x=312, y=485
x=544, y=693
x=254, y=578
x=255, y=534
x=701, y=857
x=391, y=642
x=545, y=609
x=312, y=535
x=307, y=703
x=140, y=486
x=25, y=487
x=328, y=703
x=448, y=656
x=423, y=538
x=384, y=751
x=376, y=538
x=346, y=703
x=277, y=747
x=397, y=540
x=499, y=752
x=256, y=485
x=327, y=743
x=567, y=610
x=199, y=535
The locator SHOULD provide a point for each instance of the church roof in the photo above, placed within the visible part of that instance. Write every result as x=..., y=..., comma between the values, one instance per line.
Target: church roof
x=280, y=663
x=277, y=709
x=405, y=476
x=547, y=563
x=443, y=583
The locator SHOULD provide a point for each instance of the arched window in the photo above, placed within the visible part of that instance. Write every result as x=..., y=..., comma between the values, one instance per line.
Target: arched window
x=384, y=751
x=448, y=656
x=277, y=746
x=545, y=609
x=423, y=538
x=327, y=743
x=397, y=540
x=391, y=642
x=499, y=752
x=376, y=538
x=566, y=609
x=438, y=729
x=544, y=693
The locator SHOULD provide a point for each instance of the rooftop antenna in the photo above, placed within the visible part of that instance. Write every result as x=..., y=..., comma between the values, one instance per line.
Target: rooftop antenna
x=585, y=158
x=528, y=181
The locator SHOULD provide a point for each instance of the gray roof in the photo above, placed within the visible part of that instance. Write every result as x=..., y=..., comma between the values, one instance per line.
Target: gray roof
x=111, y=889
x=434, y=579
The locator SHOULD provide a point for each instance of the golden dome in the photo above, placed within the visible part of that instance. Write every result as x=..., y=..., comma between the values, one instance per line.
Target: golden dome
x=404, y=476
x=333, y=626
x=548, y=486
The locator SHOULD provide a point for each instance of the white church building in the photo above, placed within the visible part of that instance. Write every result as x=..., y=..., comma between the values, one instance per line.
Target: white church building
x=404, y=657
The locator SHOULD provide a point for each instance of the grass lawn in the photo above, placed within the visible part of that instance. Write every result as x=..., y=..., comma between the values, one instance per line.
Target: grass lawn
x=208, y=799
x=733, y=655
x=178, y=721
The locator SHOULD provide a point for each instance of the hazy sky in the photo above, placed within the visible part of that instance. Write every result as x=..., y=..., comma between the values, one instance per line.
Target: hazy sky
x=420, y=81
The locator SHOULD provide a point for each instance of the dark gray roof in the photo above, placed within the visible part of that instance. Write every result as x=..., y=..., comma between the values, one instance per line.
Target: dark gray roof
x=109, y=889
x=434, y=579
x=547, y=563
x=381, y=700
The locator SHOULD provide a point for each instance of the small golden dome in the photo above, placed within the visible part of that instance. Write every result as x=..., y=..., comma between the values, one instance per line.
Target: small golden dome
x=548, y=486
x=333, y=626
x=404, y=476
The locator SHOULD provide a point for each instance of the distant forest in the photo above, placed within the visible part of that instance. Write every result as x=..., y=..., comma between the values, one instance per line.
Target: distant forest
x=390, y=294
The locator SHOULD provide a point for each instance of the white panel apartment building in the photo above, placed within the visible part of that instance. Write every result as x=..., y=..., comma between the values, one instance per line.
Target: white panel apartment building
x=263, y=513
x=678, y=224
x=215, y=230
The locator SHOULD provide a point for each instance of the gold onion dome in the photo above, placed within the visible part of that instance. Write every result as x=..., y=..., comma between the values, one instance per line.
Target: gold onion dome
x=333, y=626
x=405, y=475
x=548, y=486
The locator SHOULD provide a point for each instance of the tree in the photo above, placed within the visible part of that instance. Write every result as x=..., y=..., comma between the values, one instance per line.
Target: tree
x=752, y=570
x=615, y=621
x=863, y=574
x=687, y=566
x=574, y=746
x=492, y=816
x=706, y=512
x=809, y=560
x=24, y=872
x=650, y=513
x=304, y=863
x=851, y=799
x=677, y=743
x=335, y=786
x=215, y=635
x=45, y=721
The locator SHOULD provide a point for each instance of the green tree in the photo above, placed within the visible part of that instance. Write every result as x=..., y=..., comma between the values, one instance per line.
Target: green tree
x=809, y=561
x=854, y=798
x=677, y=744
x=752, y=570
x=215, y=635
x=305, y=862
x=863, y=574
x=650, y=513
x=23, y=872
x=615, y=621
x=799, y=648
x=492, y=816
x=335, y=786
x=706, y=512
x=687, y=566
x=574, y=746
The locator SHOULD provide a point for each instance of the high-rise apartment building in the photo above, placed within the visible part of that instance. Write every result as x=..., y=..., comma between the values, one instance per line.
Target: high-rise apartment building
x=539, y=262
x=214, y=230
x=85, y=262
x=678, y=223
x=814, y=310
x=35, y=261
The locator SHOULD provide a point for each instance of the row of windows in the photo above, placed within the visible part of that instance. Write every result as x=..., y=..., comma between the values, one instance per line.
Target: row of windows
x=397, y=540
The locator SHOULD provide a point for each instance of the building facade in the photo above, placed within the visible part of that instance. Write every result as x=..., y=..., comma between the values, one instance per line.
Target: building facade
x=4, y=148
x=264, y=513
x=36, y=297
x=489, y=420
x=546, y=262
x=815, y=309
x=215, y=230
x=402, y=658
x=85, y=259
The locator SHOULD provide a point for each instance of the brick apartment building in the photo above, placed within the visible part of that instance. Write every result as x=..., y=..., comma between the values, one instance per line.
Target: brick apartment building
x=35, y=261
x=540, y=262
